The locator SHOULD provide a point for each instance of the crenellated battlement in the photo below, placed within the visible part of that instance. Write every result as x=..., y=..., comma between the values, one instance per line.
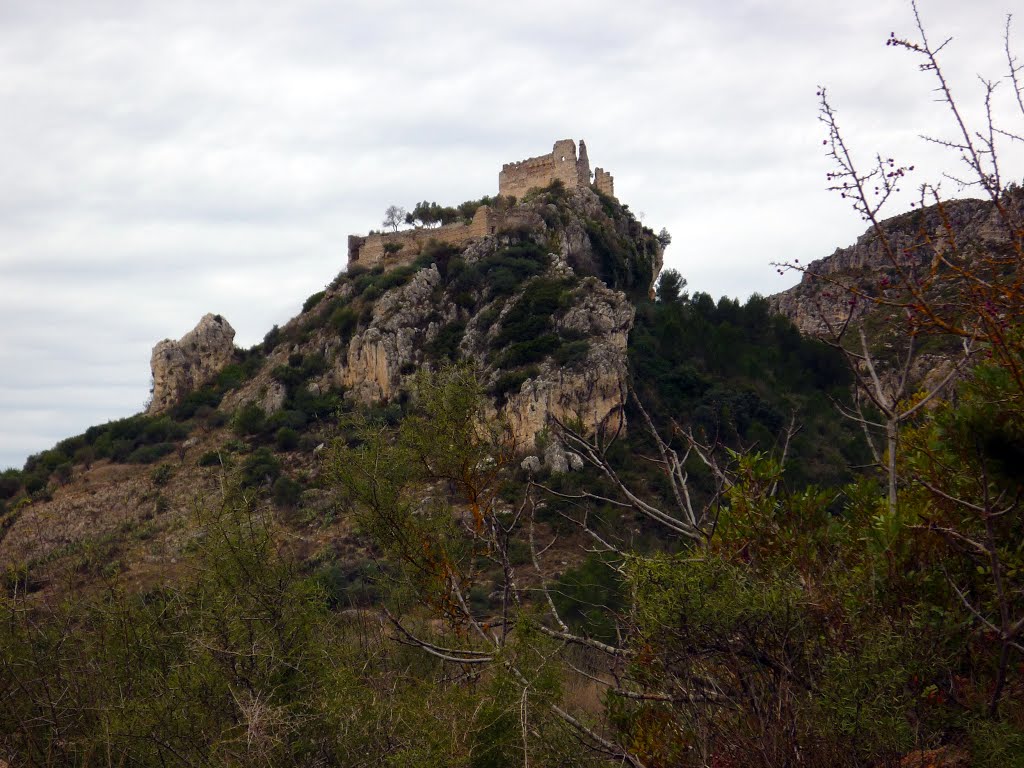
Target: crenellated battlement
x=529, y=163
x=515, y=180
x=561, y=164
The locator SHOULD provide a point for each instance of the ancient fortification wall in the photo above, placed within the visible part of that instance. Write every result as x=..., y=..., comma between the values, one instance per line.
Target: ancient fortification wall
x=374, y=250
x=603, y=182
x=561, y=164
x=515, y=180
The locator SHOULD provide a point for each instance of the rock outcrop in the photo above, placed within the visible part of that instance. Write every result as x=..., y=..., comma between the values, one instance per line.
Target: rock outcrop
x=592, y=391
x=403, y=321
x=914, y=238
x=180, y=367
x=373, y=329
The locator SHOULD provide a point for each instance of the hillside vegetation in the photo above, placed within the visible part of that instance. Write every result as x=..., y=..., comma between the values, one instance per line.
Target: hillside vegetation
x=516, y=503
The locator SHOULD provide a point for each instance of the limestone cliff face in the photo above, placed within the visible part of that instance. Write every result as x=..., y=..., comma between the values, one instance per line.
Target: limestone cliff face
x=380, y=359
x=563, y=355
x=577, y=240
x=593, y=390
x=915, y=237
x=179, y=367
x=391, y=347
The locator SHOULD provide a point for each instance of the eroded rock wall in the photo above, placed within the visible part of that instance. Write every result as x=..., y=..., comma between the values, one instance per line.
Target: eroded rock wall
x=591, y=392
x=870, y=266
x=180, y=367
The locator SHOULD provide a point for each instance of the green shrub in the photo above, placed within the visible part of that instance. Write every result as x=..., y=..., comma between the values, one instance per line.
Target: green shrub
x=350, y=585
x=519, y=552
x=510, y=267
x=300, y=368
x=487, y=318
x=513, y=380
x=463, y=278
x=572, y=353
x=287, y=375
x=587, y=597
x=363, y=280
x=249, y=419
x=313, y=300
x=210, y=459
x=286, y=417
x=147, y=454
x=524, y=352
x=343, y=321
x=533, y=313
x=308, y=442
x=286, y=439
x=162, y=475
x=205, y=397
x=346, y=274
x=10, y=483
x=445, y=346
x=286, y=492
x=234, y=375
x=271, y=340
x=313, y=406
x=162, y=429
x=36, y=481
x=46, y=460
x=62, y=474
x=396, y=277
x=261, y=467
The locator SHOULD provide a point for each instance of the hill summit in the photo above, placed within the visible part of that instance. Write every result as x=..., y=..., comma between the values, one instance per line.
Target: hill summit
x=533, y=290
x=535, y=287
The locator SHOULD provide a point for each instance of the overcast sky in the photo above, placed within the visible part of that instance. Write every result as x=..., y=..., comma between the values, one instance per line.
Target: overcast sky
x=161, y=160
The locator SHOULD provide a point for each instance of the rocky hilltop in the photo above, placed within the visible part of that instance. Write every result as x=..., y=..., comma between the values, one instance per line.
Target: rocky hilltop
x=542, y=306
x=916, y=238
x=542, y=310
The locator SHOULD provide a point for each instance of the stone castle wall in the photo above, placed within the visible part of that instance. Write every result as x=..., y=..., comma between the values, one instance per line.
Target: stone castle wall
x=603, y=182
x=370, y=251
x=561, y=164
x=515, y=180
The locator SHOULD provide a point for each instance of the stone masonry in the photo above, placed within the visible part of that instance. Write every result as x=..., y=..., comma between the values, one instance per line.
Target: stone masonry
x=561, y=164
x=370, y=251
x=392, y=249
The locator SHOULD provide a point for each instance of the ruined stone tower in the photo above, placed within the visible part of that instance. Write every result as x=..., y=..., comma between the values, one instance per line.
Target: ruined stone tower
x=561, y=164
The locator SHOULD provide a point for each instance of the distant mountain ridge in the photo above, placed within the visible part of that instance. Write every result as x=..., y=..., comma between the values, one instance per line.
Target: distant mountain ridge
x=916, y=237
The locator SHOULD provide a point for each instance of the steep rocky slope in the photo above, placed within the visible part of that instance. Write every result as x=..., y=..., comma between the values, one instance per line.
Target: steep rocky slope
x=968, y=227
x=542, y=309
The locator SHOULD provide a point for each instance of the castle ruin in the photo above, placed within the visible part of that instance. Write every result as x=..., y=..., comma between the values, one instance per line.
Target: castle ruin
x=561, y=164
x=389, y=249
